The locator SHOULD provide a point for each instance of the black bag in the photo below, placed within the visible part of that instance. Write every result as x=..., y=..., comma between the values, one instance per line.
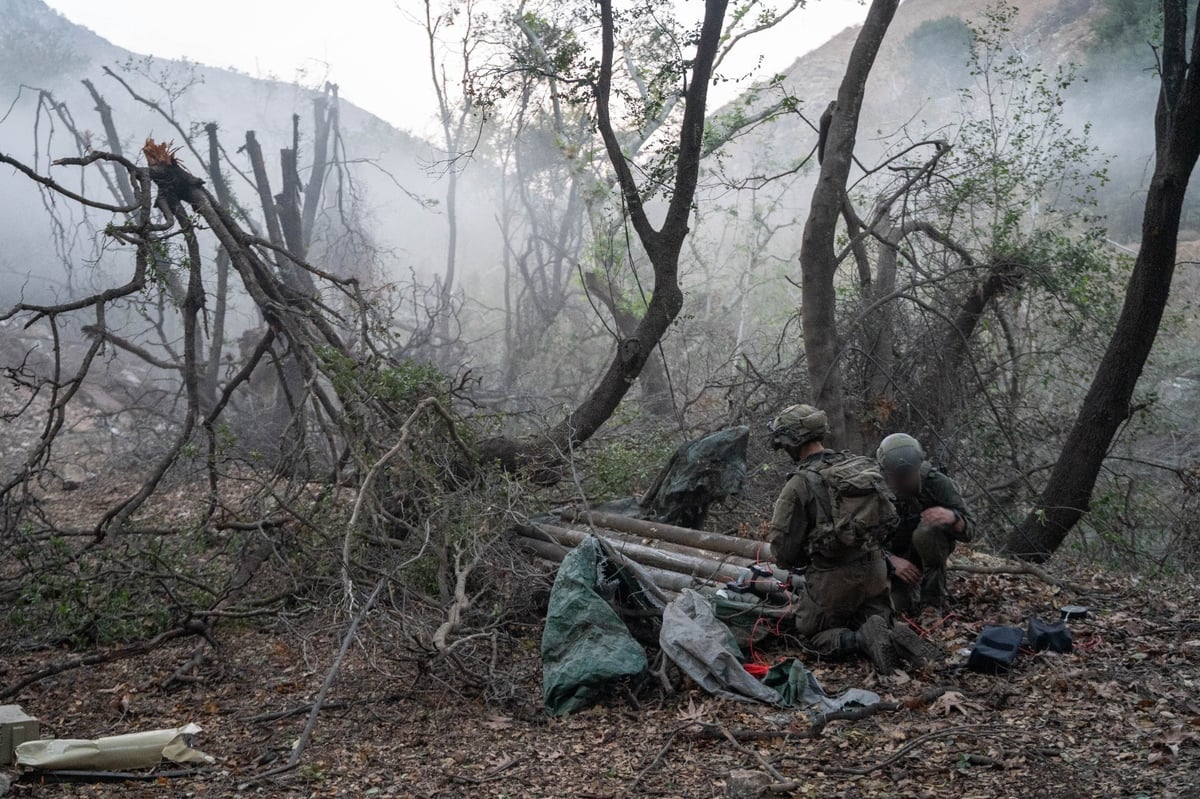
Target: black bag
x=995, y=649
x=1053, y=636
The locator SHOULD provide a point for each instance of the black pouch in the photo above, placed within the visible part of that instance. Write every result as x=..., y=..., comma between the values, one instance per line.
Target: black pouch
x=995, y=649
x=1053, y=636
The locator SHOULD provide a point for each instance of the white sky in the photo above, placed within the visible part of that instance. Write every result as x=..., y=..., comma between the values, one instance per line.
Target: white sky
x=371, y=48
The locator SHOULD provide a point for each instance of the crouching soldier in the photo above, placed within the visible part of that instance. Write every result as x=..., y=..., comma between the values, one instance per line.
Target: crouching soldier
x=933, y=518
x=830, y=520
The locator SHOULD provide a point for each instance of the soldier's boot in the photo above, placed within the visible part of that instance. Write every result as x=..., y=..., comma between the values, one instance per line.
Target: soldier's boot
x=874, y=640
x=933, y=590
x=912, y=648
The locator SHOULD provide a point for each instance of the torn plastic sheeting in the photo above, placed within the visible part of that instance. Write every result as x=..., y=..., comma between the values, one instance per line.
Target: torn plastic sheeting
x=134, y=750
x=705, y=649
x=702, y=646
x=797, y=685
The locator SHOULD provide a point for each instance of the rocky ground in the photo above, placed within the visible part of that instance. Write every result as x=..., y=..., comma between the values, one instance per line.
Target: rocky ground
x=1118, y=717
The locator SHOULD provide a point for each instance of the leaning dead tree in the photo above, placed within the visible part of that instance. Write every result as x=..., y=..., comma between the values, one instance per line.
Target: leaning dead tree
x=348, y=396
x=169, y=202
x=390, y=496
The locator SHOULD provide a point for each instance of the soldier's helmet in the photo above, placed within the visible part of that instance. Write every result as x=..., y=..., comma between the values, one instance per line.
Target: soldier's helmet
x=899, y=453
x=797, y=425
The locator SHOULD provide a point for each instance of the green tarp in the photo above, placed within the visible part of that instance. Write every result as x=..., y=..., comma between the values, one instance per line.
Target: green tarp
x=587, y=646
x=604, y=608
x=797, y=687
x=701, y=472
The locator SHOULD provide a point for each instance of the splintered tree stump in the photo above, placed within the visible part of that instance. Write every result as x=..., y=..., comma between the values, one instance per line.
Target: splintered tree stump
x=174, y=182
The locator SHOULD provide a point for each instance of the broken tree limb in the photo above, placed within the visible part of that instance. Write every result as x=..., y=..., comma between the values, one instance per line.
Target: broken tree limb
x=264, y=718
x=402, y=442
x=1009, y=567
x=63, y=776
x=757, y=755
x=120, y=653
x=491, y=776
x=698, y=539
x=458, y=606
x=980, y=731
x=330, y=677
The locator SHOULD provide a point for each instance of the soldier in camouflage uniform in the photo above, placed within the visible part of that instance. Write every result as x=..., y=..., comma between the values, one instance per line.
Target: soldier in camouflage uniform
x=845, y=605
x=933, y=518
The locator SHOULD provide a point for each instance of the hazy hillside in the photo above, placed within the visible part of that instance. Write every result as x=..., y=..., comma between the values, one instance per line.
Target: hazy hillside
x=40, y=49
x=914, y=88
x=914, y=84
x=921, y=65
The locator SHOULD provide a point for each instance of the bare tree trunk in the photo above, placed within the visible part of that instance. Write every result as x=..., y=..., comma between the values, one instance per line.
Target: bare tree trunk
x=114, y=141
x=656, y=389
x=880, y=341
x=1107, y=405
x=263, y=183
x=288, y=202
x=663, y=246
x=818, y=258
x=216, y=342
x=291, y=221
x=323, y=115
x=452, y=134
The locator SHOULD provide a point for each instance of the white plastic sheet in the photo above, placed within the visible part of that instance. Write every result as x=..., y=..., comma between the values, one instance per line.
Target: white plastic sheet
x=115, y=752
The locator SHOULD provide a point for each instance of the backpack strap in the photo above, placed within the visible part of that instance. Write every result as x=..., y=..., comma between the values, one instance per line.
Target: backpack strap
x=818, y=489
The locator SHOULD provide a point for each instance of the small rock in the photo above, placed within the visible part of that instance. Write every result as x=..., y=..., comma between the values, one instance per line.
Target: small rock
x=746, y=784
x=73, y=476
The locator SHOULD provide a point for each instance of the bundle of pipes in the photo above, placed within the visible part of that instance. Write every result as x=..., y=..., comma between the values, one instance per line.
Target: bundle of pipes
x=675, y=557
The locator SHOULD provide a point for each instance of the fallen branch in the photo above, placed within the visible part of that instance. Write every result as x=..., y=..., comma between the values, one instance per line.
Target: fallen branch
x=491, y=776
x=56, y=776
x=277, y=715
x=262, y=718
x=319, y=702
x=980, y=731
x=1030, y=569
x=784, y=785
x=249, y=565
x=762, y=761
x=460, y=605
x=97, y=658
x=372, y=473
x=666, y=747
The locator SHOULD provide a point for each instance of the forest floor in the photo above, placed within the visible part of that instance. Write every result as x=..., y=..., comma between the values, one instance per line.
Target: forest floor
x=1120, y=716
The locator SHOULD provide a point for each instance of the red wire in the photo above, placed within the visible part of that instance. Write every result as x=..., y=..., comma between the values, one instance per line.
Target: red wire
x=757, y=670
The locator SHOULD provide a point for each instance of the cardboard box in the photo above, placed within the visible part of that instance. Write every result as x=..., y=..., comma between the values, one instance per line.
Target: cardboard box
x=15, y=728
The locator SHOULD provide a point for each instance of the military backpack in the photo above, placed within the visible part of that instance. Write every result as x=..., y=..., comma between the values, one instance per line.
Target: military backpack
x=859, y=507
